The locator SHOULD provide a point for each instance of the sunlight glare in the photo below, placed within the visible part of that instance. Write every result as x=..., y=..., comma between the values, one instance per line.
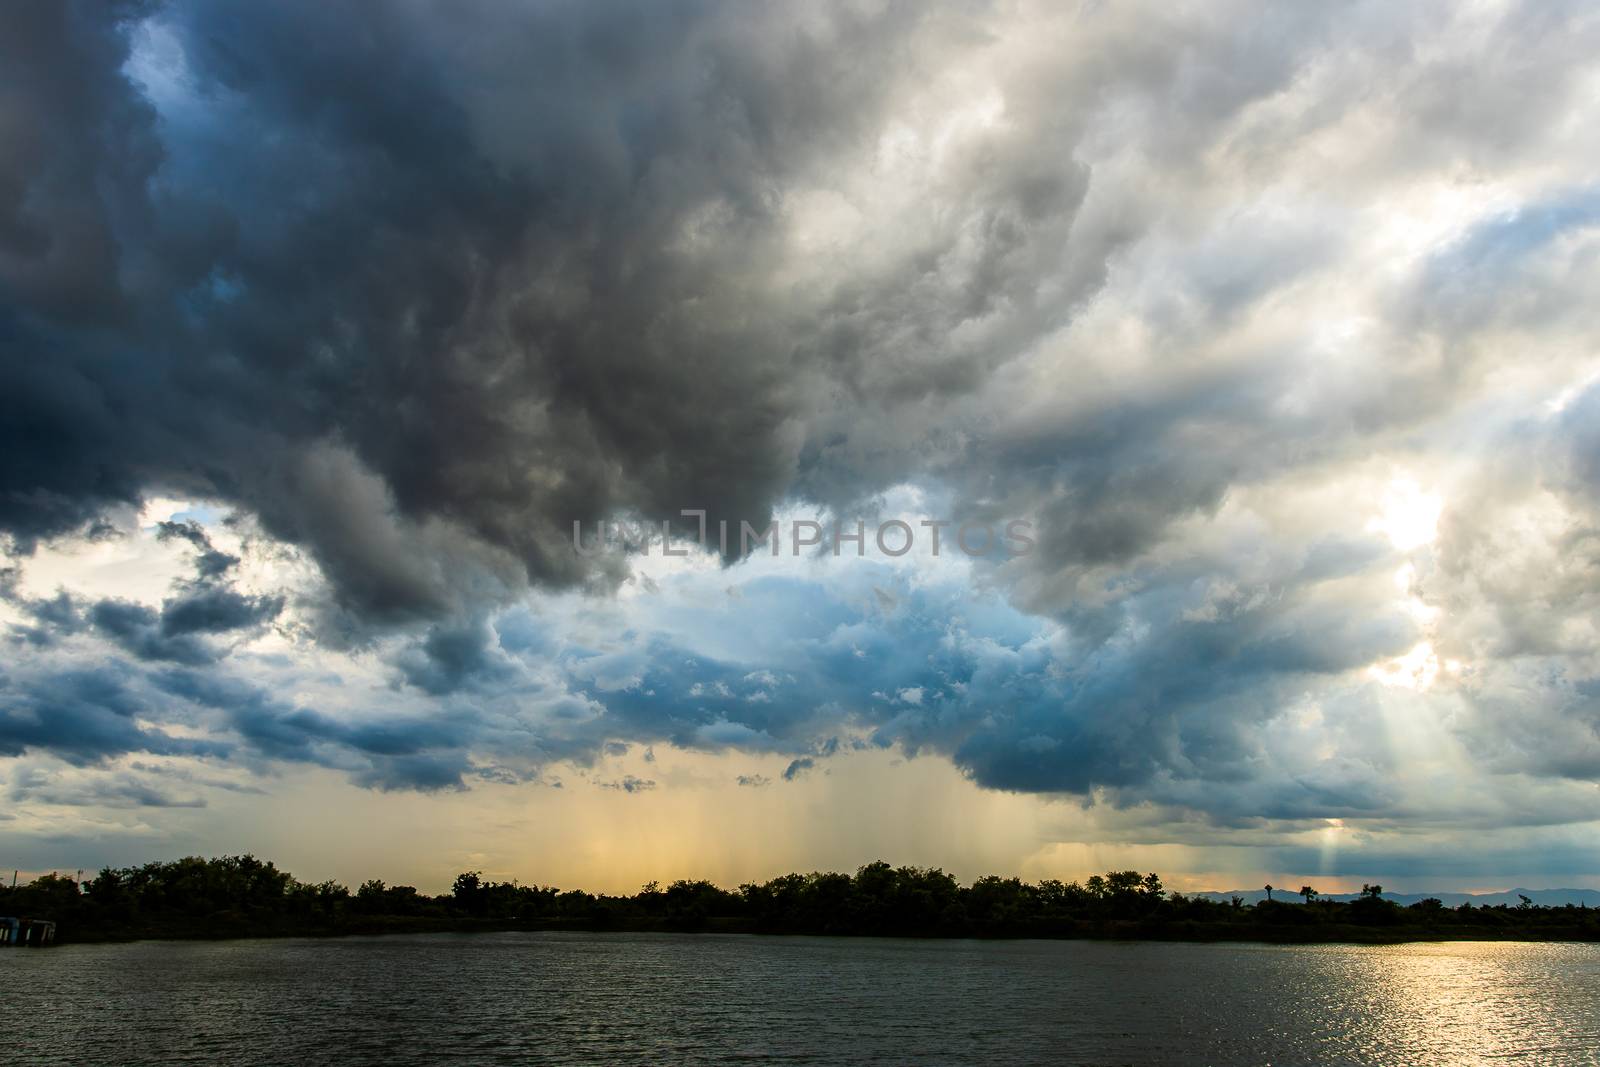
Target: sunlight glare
x=1410, y=517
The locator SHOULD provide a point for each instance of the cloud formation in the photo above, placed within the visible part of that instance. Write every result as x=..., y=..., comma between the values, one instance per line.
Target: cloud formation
x=1276, y=325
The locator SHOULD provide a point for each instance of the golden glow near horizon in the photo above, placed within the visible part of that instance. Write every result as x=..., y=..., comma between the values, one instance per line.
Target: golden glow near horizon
x=694, y=822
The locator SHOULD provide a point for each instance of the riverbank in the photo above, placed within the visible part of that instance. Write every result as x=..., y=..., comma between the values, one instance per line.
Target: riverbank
x=241, y=896
x=222, y=928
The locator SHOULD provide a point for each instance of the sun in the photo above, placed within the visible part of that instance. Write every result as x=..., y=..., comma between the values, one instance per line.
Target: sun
x=1410, y=516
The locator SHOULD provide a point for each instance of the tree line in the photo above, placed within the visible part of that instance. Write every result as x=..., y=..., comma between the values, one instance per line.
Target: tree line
x=246, y=896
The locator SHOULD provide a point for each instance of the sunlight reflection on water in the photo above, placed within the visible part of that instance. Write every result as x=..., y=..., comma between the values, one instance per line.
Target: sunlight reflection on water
x=597, y=998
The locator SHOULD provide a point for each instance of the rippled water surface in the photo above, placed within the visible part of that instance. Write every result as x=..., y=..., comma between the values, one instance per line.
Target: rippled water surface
x=650, y=998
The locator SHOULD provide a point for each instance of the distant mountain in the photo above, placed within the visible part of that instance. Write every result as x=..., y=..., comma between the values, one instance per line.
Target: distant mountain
x=1547, y=897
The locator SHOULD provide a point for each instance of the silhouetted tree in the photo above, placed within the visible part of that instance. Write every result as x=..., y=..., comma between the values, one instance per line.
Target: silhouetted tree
x=468, y=891
x=241, y=895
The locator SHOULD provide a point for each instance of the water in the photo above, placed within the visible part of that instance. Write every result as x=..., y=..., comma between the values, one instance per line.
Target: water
x=652, y=998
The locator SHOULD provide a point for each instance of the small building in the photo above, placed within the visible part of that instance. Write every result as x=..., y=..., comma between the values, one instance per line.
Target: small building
x=26, y=933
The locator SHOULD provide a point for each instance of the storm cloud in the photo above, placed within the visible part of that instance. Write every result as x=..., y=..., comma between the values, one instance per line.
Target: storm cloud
x=1277, y=326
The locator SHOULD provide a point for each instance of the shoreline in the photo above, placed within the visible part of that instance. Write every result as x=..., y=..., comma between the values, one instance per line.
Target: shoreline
x=1202, y=933
x=244, y=897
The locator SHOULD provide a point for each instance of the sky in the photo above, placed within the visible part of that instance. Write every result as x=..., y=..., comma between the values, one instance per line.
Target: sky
x=1271, y=328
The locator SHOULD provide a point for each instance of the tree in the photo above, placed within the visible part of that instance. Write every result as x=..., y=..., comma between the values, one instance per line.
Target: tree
x=468, y=891
x=1372, y=892
x=1269, y=894
x=1309, y=893
x=107, y=887
x=370, y=897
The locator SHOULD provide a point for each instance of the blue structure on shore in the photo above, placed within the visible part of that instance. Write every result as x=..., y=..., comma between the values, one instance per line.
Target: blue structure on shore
x=26, y=933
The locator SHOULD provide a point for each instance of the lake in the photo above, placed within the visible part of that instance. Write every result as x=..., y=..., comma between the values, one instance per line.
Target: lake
x=662, y=998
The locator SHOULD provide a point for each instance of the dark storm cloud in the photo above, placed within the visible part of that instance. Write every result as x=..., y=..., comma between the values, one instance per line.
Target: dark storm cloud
x=54, y=617
x=423, y=772
x=419, y=325
x=119, y=790
x=168, y=634
x=453, y=656
x=209, y=563
x=82, y=716
x=1177, y=697
x=416, y=324
x=213, y=611
x=387, y=752
x=205, y=605
x=79, y=149
x=139, y=631
x=87, y=716
x=414, y=287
